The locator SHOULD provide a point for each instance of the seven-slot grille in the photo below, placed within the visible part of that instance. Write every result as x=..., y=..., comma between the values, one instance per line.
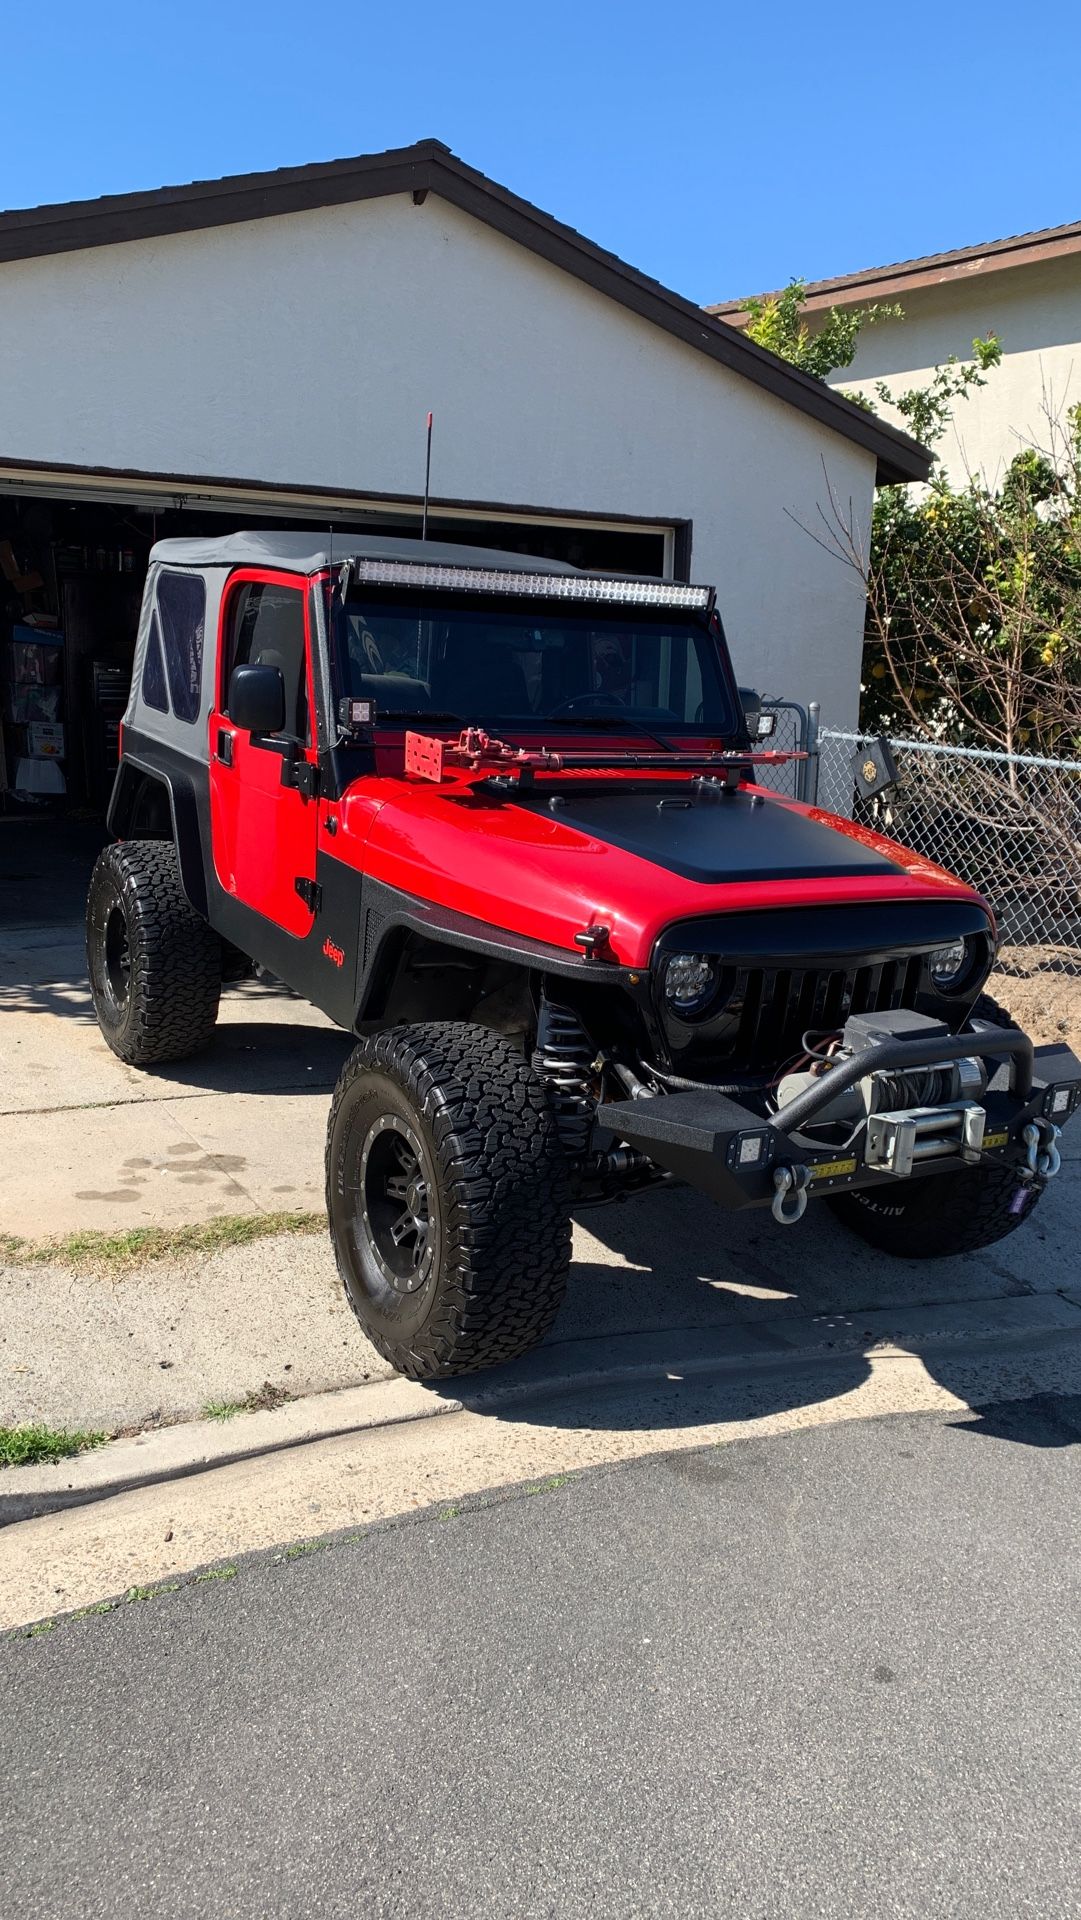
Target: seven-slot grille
x=769, y=1009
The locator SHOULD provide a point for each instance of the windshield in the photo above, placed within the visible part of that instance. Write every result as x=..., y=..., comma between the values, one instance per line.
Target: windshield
x=528, y=665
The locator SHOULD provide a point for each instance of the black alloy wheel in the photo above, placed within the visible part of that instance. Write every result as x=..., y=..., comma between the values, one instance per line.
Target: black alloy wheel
x=394, y=1197
x=117, y=958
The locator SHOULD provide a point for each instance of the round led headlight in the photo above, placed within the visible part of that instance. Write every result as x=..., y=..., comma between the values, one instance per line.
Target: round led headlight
x=689, y=982
x=948, y=966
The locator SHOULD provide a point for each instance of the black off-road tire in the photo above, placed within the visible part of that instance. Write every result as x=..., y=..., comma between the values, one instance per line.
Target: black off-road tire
x=944, y=1213
x=988, y=1008
x=496, y=1251
x=941, y=1214
x=155, y=965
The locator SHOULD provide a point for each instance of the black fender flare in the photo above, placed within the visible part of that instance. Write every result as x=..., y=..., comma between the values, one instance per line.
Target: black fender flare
x=390, y=915
x=180, y=788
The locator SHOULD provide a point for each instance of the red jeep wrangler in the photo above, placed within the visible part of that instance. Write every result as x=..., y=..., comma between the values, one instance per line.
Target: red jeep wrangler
x=498, y=818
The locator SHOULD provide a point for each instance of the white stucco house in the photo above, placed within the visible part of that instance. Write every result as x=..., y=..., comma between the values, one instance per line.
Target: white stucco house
x=263, y=349
x=1027, y=290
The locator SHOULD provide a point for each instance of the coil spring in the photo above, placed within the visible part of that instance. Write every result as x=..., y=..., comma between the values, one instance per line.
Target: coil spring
x=563, y=1057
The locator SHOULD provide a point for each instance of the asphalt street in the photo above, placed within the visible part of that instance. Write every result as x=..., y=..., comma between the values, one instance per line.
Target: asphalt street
x=832, y=1673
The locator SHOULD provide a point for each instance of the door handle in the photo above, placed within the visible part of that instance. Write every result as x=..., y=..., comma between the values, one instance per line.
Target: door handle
x=223, y=750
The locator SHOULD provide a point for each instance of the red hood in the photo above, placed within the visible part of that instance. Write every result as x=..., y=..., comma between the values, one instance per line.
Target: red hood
x=549, y=872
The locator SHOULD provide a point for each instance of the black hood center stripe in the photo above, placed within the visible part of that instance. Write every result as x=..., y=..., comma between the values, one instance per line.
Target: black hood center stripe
x=731, y=837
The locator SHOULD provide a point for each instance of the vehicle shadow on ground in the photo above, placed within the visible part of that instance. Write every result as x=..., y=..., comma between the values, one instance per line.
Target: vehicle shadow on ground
x=63, y=999
x=66, y=996
x=246, y=1055
x=726, y=1318
x=255, y=1056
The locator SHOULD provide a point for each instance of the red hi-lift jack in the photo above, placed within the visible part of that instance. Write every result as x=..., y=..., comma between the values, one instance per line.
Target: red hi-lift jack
x=427, y=758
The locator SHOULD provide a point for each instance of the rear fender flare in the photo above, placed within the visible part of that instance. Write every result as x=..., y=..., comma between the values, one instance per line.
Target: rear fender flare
x=128, y=792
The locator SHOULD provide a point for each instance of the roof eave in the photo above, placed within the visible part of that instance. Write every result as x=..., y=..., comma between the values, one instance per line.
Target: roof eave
x=429, y=166
x=907, y=276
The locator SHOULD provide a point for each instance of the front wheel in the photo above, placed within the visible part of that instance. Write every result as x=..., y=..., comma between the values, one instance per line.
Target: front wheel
x=448, y=1198
x=940, y=1214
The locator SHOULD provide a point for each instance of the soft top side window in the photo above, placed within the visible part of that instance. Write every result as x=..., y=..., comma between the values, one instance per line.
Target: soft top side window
x=266, y=629
x=153, y=685
x=181, y=612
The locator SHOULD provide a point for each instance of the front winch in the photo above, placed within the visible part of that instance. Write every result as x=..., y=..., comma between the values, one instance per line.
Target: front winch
x=856, y=1124
x=897, y=1090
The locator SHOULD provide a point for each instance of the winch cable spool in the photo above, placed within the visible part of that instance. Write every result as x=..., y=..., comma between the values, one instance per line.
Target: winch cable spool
x=893, y=1091
x=808, y=1105
x=813, y=1095
x=924, y=1087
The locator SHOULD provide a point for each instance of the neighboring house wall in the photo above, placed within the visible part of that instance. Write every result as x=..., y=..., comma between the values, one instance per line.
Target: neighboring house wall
x=305, y=349
x=1036, y=312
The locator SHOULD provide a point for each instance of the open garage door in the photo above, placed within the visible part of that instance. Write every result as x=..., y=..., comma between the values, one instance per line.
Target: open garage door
x=74, y=545
x=73, y=553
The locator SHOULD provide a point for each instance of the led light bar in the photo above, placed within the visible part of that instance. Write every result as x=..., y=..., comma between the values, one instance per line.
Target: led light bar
x=540, y=586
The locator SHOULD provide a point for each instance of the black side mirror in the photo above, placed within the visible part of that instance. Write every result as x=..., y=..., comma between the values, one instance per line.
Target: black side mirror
x=257, y=699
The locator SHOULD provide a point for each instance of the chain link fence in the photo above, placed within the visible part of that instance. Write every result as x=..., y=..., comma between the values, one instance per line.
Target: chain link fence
x=794, y=732
x=1008, y=824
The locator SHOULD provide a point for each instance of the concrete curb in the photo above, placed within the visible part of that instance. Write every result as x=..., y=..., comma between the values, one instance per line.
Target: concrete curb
x=554, y=1372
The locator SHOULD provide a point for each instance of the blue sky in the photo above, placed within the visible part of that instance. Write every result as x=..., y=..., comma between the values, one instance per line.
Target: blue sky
x=722, y=149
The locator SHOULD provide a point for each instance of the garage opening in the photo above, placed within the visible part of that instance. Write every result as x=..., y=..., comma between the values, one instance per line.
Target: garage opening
x=73, y=558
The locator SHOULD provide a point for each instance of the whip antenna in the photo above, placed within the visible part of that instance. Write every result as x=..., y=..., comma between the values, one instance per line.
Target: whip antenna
x=427, y=481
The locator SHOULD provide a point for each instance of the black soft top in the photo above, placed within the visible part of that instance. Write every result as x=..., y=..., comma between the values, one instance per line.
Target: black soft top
x=310, y=552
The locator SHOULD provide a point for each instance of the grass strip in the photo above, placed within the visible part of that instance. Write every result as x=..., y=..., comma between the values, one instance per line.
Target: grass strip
x=123, y=1252
x=265, y=1399
x=32, y=1445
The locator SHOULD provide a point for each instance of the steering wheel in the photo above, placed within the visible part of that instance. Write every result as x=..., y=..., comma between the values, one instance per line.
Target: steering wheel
x=370, y=650
x=594, y=700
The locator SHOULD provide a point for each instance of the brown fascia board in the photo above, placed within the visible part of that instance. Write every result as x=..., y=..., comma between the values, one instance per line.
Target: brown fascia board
x=430, y=167
x=931, y=270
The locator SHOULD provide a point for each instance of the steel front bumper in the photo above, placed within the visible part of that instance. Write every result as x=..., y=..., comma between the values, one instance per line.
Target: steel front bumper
x=742, y=1160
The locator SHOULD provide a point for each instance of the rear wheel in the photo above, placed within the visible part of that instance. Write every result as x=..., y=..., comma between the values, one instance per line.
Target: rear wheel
x=941, y=1214
x=448, y=1198
x=155, y=966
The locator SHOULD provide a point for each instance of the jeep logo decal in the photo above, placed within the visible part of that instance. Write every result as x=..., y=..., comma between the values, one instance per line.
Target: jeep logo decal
x=333, y=953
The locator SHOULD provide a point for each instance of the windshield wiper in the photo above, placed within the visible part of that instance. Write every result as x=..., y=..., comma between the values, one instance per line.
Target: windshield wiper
x=605, y=723
x=421, y=719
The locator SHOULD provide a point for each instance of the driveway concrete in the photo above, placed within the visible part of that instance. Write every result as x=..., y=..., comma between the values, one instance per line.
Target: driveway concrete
x=104, y=1349
x=86, y=1141
x=834, y=1673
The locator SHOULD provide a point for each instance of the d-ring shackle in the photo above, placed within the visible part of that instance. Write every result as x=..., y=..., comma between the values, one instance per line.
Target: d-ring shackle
x=1042, y=1156
x=789, y=1181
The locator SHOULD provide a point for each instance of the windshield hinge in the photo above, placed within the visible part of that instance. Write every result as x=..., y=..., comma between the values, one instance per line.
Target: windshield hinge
x=301, y=774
